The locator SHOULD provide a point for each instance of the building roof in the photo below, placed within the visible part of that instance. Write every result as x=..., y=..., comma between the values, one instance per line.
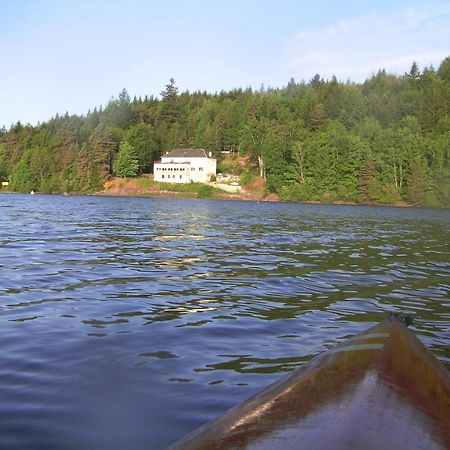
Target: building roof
x=187, y=153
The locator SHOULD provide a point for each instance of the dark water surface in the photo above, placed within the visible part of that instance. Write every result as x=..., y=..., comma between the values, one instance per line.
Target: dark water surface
x=126, y=322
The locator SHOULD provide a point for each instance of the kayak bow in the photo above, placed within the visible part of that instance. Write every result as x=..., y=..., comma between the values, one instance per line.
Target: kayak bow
x=381, y=389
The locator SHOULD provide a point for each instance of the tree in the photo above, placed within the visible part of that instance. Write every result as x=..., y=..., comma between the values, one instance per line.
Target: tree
x=434, y=100
x=142, y=138
x=384, y=140
x=299, y=156
x=316, y=81
x=102, y=147
x=170, y=90
x=367, y=188
x=126, y=163
x=22, y=179
x=170, y=111
x=416, y=183
x=3, y=163
x=414, y=72
x=444, y=70
x=273, y=153
x=253, y=136
x=442, y=180
x=118, y=113
x=317, y=117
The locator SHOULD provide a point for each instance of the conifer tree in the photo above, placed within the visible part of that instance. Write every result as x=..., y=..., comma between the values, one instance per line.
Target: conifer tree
x=170, y=110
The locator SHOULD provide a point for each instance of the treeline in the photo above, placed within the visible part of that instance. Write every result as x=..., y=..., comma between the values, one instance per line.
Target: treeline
x=386, y=140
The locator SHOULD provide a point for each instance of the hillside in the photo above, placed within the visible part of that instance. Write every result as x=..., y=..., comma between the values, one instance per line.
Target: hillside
x=384, y=141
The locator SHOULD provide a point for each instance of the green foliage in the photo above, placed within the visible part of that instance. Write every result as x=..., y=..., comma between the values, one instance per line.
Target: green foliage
x=247, y=177
x=118, y=113
x=444, y=70
x=3, y=163
x=442, y=179
x=367, y=182
x=22, y=180
x=181, y=187
x=299, y=192
x=274, y=153
x=142, y=138
x=145, y=183
x=170, y=110
x=386, y=140
x=126, y=163
x=199, y=189
x=204, y=191
x=226, y=166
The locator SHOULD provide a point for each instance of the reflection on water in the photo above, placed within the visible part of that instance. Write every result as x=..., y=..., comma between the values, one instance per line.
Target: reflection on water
x=128, y=322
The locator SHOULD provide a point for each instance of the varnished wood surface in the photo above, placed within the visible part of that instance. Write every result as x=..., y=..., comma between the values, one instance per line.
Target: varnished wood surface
x=379, y=390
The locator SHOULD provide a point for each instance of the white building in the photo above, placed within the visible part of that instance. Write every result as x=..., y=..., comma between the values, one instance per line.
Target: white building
x=185, y=165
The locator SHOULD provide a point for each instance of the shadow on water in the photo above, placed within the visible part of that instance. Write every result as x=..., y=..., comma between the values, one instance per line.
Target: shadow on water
x=128, y=322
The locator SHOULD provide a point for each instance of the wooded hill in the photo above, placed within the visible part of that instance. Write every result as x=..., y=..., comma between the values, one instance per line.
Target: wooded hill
x=386, y=140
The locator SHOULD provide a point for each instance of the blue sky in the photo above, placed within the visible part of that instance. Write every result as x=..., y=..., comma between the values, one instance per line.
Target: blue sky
x=58, y=56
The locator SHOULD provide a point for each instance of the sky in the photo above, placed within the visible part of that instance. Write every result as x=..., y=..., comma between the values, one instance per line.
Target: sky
x=59, y=56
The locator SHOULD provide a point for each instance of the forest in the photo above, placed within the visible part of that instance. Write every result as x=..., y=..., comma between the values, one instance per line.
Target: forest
x=383, y=141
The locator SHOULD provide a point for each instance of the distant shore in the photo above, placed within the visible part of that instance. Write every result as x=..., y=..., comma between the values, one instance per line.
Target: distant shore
x=146, y=187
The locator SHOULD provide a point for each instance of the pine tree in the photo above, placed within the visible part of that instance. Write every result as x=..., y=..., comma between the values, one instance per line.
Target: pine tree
x=414, y=72
x=170, y=110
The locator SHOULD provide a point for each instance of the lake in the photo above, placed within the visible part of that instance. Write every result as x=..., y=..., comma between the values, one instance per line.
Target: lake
x=128, y=322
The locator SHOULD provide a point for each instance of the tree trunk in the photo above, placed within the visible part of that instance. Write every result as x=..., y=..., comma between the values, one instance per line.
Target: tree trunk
x=262, y=169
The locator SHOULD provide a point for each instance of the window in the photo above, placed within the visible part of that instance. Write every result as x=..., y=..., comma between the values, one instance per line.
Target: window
x=181, y=176
x=201, y=169
x=162, y=176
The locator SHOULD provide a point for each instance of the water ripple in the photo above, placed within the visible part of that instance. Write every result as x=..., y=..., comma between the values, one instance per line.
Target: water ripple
x=121, y=315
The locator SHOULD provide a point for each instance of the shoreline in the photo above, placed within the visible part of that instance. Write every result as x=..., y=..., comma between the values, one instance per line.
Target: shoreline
x=189, y=195
x=271, y=198
x=234, y=197
x=119, y=187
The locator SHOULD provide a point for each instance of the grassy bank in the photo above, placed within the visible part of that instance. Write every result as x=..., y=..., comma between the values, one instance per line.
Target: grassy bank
x=148, y=187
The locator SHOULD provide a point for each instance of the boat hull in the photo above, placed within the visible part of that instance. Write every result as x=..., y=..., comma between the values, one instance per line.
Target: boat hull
x=381, y=389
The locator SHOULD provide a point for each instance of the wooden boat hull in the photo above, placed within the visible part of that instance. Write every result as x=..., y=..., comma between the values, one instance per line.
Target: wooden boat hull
x=381, y=389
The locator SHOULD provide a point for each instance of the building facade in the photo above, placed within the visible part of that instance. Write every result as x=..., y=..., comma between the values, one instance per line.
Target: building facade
x=185, y=165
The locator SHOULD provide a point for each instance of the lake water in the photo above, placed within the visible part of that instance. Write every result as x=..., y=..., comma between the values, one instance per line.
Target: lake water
x=128, y=322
